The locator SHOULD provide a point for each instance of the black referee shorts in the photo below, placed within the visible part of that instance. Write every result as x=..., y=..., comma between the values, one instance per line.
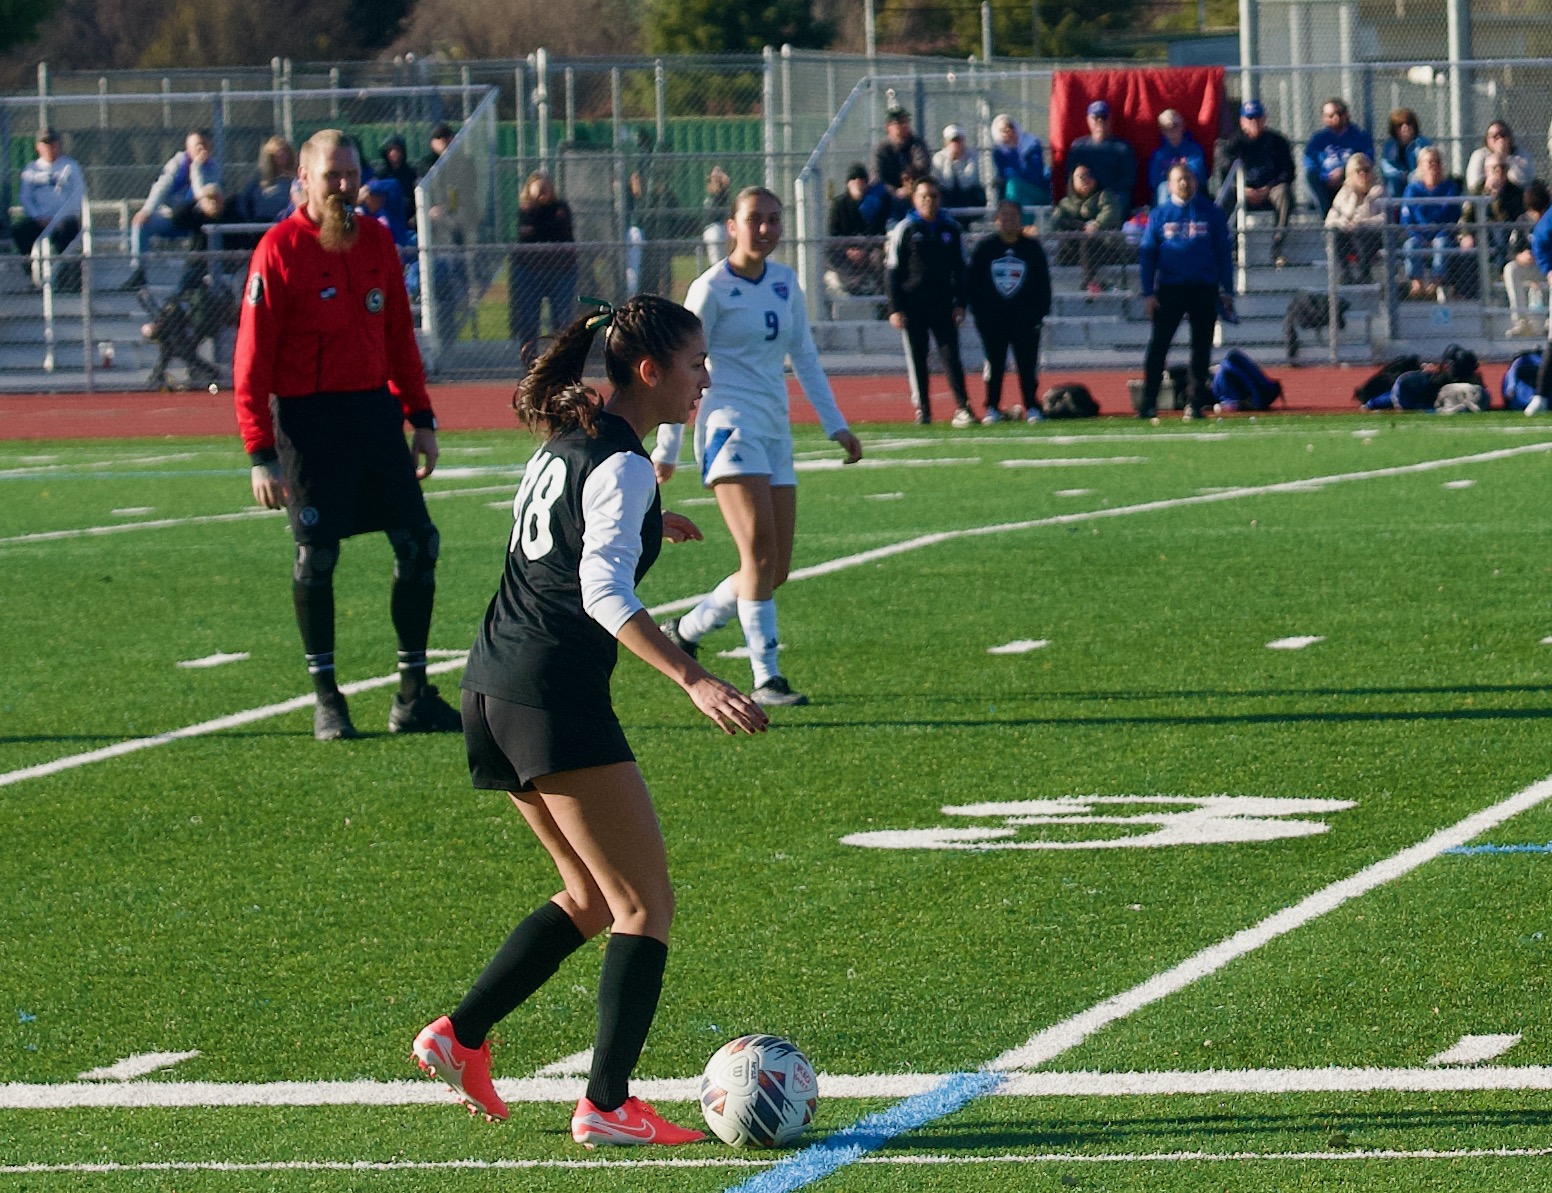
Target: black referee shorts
x=346, y=465
x=510, y=745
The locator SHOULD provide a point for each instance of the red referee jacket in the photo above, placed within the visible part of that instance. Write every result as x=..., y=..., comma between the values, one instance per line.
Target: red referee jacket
x=321, y=322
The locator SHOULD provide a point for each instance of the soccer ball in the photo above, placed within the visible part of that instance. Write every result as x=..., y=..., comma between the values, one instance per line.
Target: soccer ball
x=758, y=1091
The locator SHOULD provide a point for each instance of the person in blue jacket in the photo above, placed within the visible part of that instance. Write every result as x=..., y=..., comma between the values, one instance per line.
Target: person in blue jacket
x=1187, y=273
x=1398, y=156
x=1430, y=212
x=1178, y=146
x=1541, y=249
x=1326, y=153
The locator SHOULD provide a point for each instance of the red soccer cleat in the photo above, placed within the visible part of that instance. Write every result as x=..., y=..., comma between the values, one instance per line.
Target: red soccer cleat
x=465, y=1070
x=632, y=1124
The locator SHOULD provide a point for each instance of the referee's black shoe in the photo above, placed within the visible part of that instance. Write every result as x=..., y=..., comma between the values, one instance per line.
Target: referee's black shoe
x=426, y=712
x=331, y=719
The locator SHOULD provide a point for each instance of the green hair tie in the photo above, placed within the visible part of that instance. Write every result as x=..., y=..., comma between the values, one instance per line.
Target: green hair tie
x=605, y=315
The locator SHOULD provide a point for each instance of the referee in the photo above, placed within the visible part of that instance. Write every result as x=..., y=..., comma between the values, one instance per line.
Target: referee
x=327, y=372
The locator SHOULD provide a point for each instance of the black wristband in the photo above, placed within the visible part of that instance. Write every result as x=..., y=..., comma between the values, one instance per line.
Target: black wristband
x=265, y=455
x=423, y=420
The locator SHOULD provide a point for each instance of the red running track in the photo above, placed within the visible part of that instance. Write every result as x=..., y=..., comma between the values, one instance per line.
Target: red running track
x=880, y=398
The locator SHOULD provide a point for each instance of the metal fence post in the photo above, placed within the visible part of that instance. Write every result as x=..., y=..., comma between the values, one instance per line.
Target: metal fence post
x=217, y=131
x=519, y=111
x=274, y=85
x=1333, y=300
x=571, y=105
x=660, y=101
x=542, y=103
x=288, y=115
x=768, y=113
x=786, y=109
x=43, y=93
x=334, y=82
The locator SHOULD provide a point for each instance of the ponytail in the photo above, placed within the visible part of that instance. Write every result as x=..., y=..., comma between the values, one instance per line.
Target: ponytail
x=552, y=399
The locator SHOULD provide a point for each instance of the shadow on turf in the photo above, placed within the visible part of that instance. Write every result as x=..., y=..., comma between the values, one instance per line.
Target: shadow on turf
x=1198, y=1132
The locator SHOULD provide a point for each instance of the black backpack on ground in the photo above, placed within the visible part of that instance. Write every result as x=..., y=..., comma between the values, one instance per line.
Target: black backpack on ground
x=1069, y=401
x=1384, y=378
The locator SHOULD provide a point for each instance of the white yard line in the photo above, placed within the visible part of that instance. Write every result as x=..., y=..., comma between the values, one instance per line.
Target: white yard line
x=563, y=1082
x=1473, y=1050
x=138, y=1065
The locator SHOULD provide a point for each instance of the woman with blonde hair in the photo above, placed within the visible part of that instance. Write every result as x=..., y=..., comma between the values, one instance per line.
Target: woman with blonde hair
x=1355, y=220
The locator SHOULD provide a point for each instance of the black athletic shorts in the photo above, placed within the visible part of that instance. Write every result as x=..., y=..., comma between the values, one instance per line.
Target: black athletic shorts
x=510, y=745
x=346, y=465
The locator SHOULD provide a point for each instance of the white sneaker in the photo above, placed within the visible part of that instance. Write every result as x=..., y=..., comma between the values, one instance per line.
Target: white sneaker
x=1535, y=406
x=962, y=418
x=992, y=417
x=1521, y=328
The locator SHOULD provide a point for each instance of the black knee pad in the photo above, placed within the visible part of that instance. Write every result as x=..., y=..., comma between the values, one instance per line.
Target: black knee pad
x=415, y=552
x=315, y=563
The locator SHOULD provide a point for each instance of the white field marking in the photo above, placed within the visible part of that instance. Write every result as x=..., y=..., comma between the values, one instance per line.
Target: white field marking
x=574, y=1065
x=215, y=660
x=460, y=472
x=93, y=465
x=1019, y=646
x=563, y=1090
x=833, y=465
x=231, y=721
x=137, y=1066
x=742, y=652
x=1073, y=492
x=498, y=505
x=37, y=459
x=928, y=1159
x=466, y=451
x=1473, y=1050
x=839, y=564
x=1046, y=1045
x=48, y=536
x=884, y=496
x=1546, y=642
x=1464, y=483
x=133, y=511
x=1297, y=642
x=446, y=654
x=1071, y=461
x=697, y=501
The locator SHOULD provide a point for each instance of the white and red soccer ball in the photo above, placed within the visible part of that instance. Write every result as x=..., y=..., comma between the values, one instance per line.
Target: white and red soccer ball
x=758, y=1091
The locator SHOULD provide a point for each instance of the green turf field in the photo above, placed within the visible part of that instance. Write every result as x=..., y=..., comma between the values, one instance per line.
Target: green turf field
x=1212, y=910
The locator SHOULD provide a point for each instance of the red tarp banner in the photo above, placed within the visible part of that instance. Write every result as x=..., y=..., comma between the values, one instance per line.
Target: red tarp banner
x=1136, y=97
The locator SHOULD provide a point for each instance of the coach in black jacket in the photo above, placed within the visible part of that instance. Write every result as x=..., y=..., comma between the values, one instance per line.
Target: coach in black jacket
x=1010, y=295
x=924, y=272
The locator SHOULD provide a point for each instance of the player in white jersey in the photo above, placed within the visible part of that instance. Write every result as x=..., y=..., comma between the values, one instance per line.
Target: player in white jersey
x=755, y=319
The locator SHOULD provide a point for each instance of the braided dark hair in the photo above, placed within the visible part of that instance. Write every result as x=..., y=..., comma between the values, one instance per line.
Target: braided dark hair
x=552, y=399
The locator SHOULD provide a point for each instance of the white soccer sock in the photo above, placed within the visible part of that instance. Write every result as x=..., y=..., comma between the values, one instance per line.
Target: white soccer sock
x=759, y=621
x=714, y=612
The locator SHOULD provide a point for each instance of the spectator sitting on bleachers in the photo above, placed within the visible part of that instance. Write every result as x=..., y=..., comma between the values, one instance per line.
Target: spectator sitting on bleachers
x=266, y=197
x=1264, y=159
x=1112, y=161
x=206, y=207
x=858, y=211
x=1091, y=219
x=899, y=159
x=167, y=207
x=1326, y=153
x=52, y=185
x=1019, y=161
x=393, y=162
x=1499, y=139
x=1430, y=213
x=1506, y=206
x=1398, y=157
x=716, y=210
x=958, y=172
x=1178, y=146
x=1355, y=220
x=1520, y=275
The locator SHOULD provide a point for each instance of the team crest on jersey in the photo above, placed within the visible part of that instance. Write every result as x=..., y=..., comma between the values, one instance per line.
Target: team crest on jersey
x=1008, y=275
x=307, y=516
x=374, y=300
x=256, y=289
x=780, y=290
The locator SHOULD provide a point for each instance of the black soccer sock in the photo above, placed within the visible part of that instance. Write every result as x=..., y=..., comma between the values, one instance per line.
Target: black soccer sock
x=528, y=958
x=315, y=618
x=320, y=668
x=628, y=990
x=410, y=602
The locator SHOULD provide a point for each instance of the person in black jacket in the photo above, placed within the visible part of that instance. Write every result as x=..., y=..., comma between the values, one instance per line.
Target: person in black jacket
x=543, y=265
x=1265, y=160
x=393, y=162
x=1009, y=281
x=924, y=273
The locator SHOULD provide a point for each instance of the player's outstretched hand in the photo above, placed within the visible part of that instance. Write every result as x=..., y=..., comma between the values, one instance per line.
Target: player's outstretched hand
x=726, y=705
x=679, y=529
x=850, y=444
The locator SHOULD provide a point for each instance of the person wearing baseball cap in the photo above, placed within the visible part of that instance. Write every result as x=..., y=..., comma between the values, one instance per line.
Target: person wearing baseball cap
x=1264, y=160
x=1111, y=160
x=52, y=188
x=958, y=172
x=900, y=158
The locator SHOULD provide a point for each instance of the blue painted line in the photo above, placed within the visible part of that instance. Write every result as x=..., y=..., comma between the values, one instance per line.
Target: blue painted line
x=1547, y=848
x=850, y=1144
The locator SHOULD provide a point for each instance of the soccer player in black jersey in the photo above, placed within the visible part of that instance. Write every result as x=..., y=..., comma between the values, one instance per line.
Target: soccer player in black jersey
x=537, y=716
